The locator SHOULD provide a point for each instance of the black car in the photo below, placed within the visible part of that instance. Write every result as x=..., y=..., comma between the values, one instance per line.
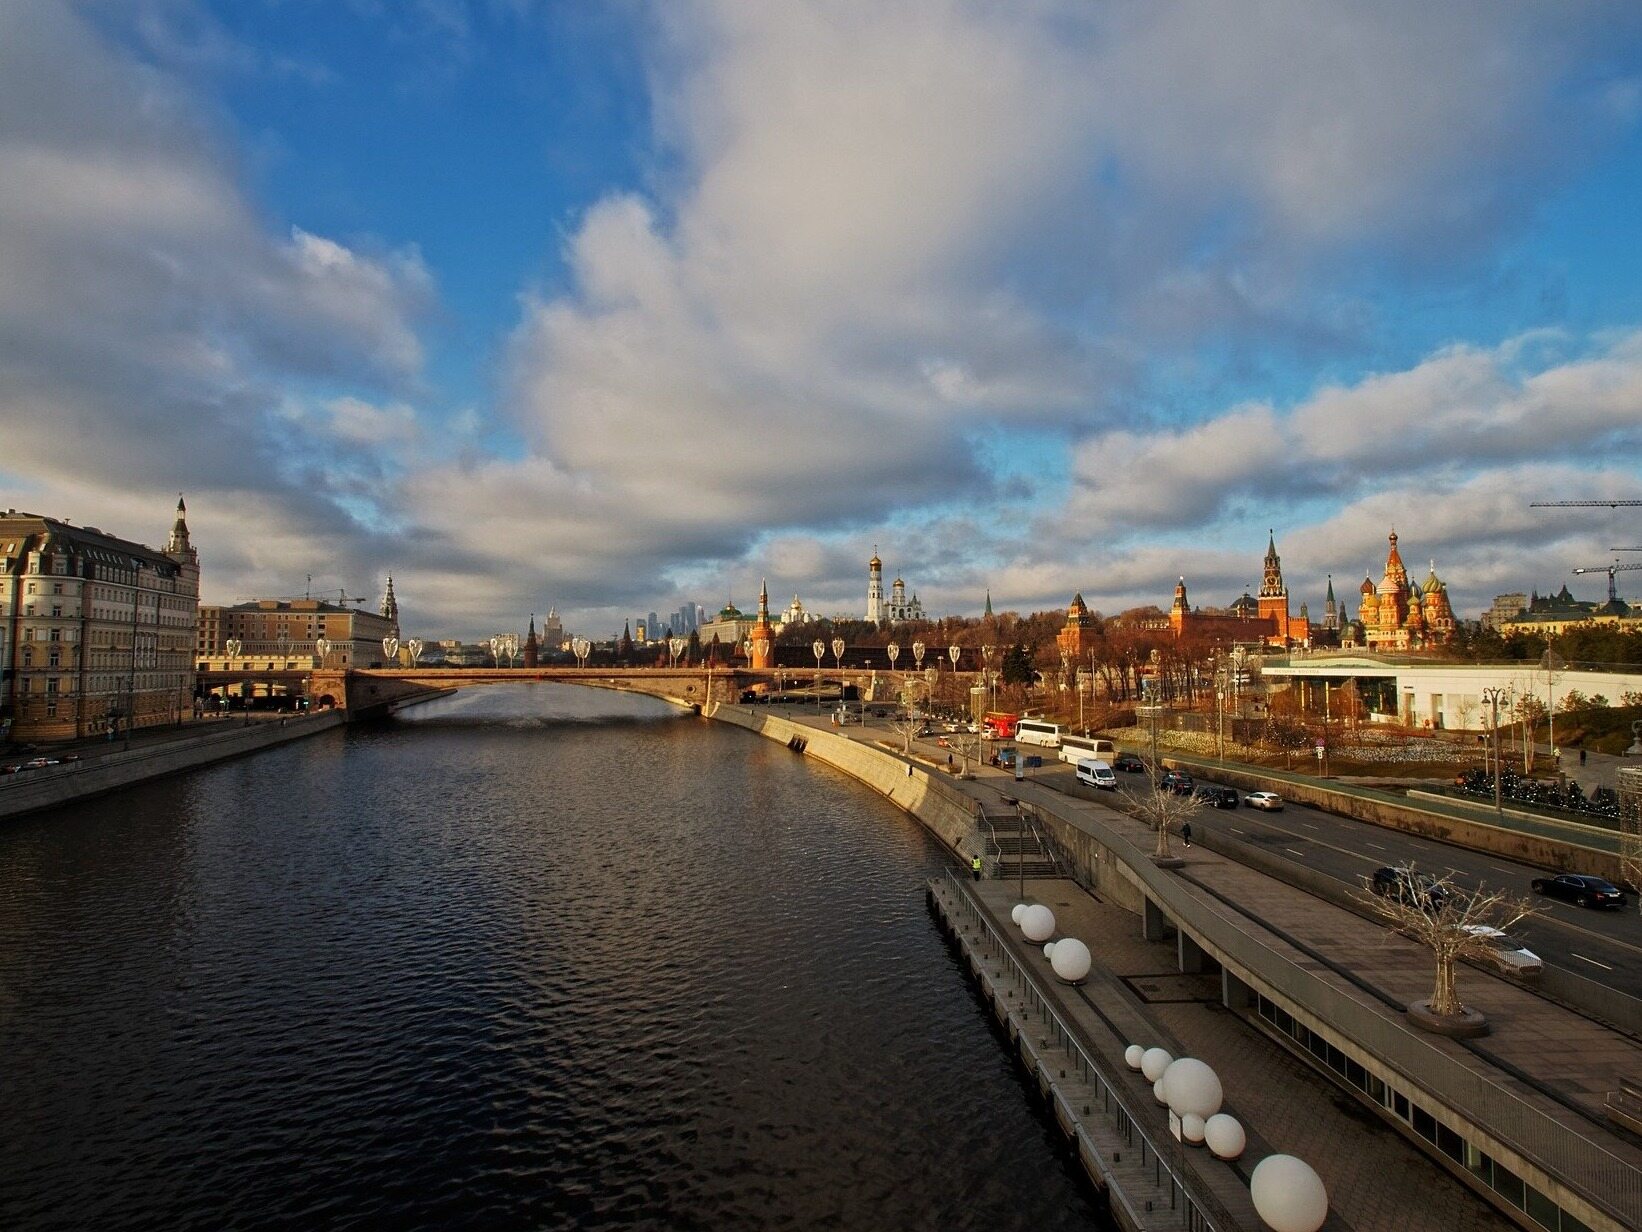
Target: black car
x=1217, y=797
x=1128, y=763
x=1177, y=781
x=1409, y=887
x=1578, y=888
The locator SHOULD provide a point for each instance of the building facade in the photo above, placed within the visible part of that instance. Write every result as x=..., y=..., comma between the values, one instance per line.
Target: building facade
x=287, y=631
x=1396, y=616
x=1262, y=620
x=898, y=608
x=96, y=633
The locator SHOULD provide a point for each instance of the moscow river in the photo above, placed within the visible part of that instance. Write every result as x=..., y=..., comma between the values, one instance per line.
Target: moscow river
x=530, y=956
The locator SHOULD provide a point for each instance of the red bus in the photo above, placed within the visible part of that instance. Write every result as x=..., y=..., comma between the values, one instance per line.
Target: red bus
x=999, y=725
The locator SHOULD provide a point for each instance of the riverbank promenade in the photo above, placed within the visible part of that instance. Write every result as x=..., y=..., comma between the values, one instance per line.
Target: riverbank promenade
x=1298, y=1004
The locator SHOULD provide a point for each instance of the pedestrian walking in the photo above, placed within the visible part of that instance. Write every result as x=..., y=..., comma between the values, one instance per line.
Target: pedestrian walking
x=1582, y=757
x=1186, y=833
x=975, y=868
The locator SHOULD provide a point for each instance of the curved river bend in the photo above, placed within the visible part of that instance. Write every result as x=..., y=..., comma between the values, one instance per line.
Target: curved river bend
x=524, y=957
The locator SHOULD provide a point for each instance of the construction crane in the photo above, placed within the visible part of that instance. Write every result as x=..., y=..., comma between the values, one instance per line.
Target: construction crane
x=343, y=598
x=1610, y=570
x=1585, y=504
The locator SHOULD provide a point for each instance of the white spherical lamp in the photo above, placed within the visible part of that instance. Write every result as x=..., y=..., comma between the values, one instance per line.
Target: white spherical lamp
x=1132, y=1055
x=1157, y=1092
x=1224, y=1135
x=1049, y=950
x=1192, y=1087
x=1191, y=1128
x=1288, y=1195
x=1015, y=913
x=1038, y=923
x=1070, y=960
x=1153, y=1062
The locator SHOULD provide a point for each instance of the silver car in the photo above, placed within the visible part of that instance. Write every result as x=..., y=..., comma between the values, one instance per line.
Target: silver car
x=1506, y=953
x=1268, y=800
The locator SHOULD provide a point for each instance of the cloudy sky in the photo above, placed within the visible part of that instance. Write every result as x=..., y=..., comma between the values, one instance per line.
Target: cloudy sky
x=613, y=306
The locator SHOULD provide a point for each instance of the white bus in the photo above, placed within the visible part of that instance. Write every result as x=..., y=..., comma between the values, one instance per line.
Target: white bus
x=1074, y=748
x=1037, y=731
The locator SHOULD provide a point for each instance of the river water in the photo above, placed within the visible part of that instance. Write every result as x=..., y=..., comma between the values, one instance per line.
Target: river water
x=525, y=957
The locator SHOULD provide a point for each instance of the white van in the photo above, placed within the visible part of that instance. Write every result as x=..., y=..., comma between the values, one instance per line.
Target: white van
x=1037, y=731
x=1092, y=773
x=1074, y=748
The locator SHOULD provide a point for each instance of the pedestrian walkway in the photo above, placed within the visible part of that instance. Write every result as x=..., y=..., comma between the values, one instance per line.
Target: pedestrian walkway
x=1136, y=994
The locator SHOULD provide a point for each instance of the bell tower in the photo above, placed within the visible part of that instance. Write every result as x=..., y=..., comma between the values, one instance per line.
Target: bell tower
x=875, y=589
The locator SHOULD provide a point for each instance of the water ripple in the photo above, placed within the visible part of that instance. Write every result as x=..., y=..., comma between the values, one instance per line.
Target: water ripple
x=530, y=958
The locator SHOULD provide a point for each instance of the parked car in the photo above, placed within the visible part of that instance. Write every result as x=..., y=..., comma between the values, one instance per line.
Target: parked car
x=39, y=763
x=1580, y=888
x=10, y=768
x=1177, y=781
x=1268, y=800
x=1217, y=797
x=1129, y=763
x=1413, y=888
x=1507, y=953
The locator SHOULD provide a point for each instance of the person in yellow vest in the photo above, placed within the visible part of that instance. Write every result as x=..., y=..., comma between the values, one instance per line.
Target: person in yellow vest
x=975, y=867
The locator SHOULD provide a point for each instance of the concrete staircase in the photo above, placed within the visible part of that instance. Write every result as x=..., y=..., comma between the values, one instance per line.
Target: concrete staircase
x=1016, y=844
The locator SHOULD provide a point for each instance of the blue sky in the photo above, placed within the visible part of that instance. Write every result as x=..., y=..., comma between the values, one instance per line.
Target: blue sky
x=611, y=306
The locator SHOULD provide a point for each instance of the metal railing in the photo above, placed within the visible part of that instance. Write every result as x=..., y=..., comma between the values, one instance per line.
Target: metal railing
x=1201, y=1211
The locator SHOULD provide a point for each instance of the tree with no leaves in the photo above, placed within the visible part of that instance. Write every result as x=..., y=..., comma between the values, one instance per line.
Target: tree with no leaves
x=1448, y=921
x=1164, y=811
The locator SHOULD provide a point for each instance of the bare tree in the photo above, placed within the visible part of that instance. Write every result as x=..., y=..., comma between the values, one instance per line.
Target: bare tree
x=1163, y=811
x=906, y=724
x=1449, y=921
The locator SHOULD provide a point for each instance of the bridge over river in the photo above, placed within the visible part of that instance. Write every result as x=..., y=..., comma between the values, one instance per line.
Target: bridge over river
x=364, y=689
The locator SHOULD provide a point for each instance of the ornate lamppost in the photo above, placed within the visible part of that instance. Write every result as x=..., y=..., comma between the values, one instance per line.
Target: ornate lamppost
x=818, y=648
x=918, y=655
x=415, y=648
x=675, y=647
x=581, y=648
x=390, y=650
x=322, y=648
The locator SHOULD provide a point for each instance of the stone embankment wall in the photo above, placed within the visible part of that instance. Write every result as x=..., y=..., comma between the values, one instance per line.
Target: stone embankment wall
x=928, y=794
x=946, y=811
x=54, y=786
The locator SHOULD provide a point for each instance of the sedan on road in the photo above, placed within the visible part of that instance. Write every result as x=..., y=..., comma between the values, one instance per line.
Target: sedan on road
x=1268, y=800
x=1581, y=889
x=1128, y=763
x=1506, y=953
x=1217, y=797
x=1409, y=887
x=1177, y=781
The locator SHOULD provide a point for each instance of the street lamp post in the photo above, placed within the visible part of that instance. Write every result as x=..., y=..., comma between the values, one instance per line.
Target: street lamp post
x=581, y=648
x=819, y=648
x=1493, y=695
x=918, y=655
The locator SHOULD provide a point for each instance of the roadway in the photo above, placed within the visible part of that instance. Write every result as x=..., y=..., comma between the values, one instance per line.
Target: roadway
x=1602, y=945
x=1605, y=946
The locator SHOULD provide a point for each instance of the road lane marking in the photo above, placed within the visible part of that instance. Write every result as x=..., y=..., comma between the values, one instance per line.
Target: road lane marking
x=1592, y=961
x=1234, y=830
x=1376, y=846
x=1295, y=850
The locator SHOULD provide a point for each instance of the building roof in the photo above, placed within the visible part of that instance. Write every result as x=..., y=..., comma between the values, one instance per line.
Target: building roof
x=87, y=541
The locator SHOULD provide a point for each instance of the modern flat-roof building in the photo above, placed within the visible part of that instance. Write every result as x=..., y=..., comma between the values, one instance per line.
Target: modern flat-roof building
x=96, y=632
